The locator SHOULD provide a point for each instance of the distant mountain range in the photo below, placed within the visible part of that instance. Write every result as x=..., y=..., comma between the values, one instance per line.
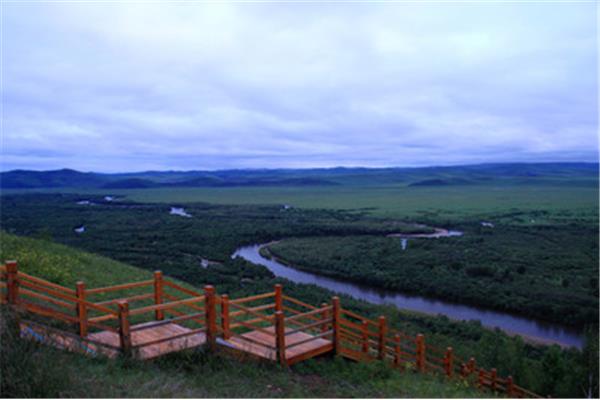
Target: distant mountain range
x=514, y=173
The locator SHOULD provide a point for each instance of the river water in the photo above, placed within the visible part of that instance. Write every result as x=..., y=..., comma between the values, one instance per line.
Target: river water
x=539, y=331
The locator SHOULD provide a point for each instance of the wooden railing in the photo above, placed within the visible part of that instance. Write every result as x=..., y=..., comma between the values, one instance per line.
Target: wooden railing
x=276, y=316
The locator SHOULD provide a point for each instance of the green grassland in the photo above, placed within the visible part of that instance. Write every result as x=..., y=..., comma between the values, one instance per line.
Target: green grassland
x=396, y=201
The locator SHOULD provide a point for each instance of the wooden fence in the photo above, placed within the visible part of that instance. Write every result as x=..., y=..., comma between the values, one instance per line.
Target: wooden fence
x=270, y=325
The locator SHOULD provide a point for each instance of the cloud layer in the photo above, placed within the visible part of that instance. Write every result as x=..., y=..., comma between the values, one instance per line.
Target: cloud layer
x=135, y=86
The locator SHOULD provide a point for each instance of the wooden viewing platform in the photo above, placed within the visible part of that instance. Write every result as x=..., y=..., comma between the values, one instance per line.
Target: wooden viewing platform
x=170, y=318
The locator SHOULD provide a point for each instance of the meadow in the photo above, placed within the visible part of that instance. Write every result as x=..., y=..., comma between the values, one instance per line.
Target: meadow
x=394, y=201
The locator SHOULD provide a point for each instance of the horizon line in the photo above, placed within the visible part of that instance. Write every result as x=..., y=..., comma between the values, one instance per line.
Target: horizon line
x=304, y=168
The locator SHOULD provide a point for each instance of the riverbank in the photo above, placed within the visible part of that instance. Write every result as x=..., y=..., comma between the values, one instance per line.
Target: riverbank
x=534, y=331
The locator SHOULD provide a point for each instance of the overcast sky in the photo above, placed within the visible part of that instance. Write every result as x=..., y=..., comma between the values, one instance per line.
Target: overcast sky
x=217, y=85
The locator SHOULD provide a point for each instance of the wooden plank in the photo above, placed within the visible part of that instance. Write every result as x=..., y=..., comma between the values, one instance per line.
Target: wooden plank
x=169, y=338
x=325, y=348
x=309, y=338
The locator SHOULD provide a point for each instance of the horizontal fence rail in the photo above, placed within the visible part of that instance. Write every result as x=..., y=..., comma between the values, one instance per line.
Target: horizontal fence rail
x=272, y=325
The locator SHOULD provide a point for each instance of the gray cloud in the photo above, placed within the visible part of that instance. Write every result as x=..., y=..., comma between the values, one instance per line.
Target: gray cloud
x=133, y=86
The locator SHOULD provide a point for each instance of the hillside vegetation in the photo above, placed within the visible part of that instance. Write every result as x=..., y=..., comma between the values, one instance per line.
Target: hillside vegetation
x=29, y=370
x=546, y=370
x=547, y=271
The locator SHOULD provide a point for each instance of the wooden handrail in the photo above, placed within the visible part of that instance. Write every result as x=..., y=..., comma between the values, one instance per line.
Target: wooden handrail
x=347, y=336
x=184, y=317
x=357, y=316
x=298, y=302
x=49, y=299
x=181, y=288
x=129, y=299
x=67, y=297
x=252, y=298
x=257, y=308
x=123, y=286
x=250, y=326
x=44, y=282
x=250, y=311
x=165, y=306
x=309, y=313
x=308, y=326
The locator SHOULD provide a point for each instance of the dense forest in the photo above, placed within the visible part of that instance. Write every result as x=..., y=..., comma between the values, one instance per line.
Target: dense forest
x=544, y=271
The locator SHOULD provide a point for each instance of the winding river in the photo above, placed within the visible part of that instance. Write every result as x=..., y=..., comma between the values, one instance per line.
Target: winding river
x=529, y=329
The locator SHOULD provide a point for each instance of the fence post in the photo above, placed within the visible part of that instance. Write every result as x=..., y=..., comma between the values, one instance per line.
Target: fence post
x=335, y=302
x=324, y=316
x=12, y=282
x=211, y=321
x=471, y=366
x=509, y=386
x=365, y=339
x=124, y=333
x=397, y=350
x=225, y=316
x=449, y=362
x=382, y=333
x=481, y=376
x=420, y=353
x=158, y=294
x=278, y=297
x=494, y=375
x=81, y=309
x=280, y=336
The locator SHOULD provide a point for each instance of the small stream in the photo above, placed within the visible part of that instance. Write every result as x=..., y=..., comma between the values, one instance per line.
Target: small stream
x=528, y=328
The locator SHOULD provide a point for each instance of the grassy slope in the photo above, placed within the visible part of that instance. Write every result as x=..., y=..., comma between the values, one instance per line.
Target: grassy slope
x=26, y=367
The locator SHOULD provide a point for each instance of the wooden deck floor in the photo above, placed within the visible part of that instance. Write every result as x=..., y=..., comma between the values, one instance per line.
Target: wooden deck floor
x=151, y=334
x=264, y=350
x=293, y=355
